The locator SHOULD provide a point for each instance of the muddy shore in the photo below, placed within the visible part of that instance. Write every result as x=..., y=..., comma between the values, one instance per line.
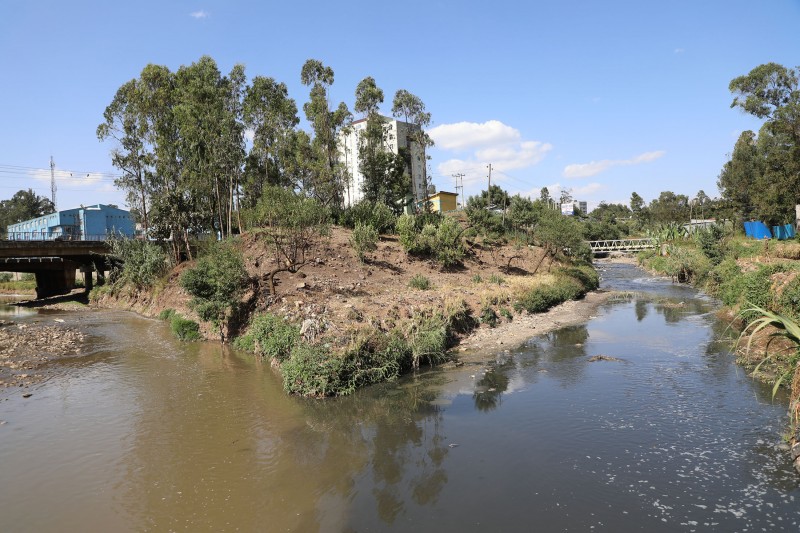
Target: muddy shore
x=484, y=342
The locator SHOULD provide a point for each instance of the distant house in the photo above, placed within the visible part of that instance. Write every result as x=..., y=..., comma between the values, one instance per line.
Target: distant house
x=443, y=201
x=92, y=223
x=398, y=135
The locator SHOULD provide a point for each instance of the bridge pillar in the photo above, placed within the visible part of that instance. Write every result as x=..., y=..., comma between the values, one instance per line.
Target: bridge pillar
x=88, y=282
x=99, y=267
x=53, y=282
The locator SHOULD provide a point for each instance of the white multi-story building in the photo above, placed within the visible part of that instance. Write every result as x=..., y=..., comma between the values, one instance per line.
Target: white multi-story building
x=397, y=137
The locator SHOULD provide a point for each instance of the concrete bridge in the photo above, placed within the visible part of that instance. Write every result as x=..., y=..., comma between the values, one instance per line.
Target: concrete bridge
x=54, y=263
x=621, y=245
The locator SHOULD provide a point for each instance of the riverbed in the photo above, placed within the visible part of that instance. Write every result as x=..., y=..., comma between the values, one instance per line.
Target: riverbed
x=140, y=432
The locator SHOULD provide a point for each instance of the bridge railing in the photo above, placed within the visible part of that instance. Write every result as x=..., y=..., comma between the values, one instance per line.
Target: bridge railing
x=39, y=236
x=622, y=245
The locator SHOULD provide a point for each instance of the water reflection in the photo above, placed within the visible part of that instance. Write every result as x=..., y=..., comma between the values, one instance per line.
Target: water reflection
x=490, y=387
x=8, y=310
x=146, y=433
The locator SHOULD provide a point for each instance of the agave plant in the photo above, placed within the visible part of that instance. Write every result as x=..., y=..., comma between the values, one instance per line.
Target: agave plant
x=784, y=328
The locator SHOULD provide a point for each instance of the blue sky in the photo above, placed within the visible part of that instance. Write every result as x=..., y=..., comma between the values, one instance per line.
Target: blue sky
x=603, y=98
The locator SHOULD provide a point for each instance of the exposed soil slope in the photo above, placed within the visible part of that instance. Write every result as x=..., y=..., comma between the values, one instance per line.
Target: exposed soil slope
x=336, y=294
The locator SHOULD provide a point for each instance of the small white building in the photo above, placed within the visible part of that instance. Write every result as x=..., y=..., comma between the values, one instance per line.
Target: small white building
x=397, y=137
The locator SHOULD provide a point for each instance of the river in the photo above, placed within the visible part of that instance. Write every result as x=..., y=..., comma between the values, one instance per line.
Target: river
x=143, y=433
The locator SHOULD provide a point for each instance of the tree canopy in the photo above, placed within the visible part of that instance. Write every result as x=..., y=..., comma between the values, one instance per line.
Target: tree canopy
x=762, y=177
x=24, y=205
x=195, y=146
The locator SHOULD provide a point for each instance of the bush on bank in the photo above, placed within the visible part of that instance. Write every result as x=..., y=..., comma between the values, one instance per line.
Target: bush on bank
x=373, y=355
x=571, y=283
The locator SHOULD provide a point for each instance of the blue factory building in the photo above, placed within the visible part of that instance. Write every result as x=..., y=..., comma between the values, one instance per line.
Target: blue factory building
x=91, y=223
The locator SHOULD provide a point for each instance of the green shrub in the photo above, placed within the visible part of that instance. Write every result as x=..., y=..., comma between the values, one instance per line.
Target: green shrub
x=448, y=245
x=725, y=281
x=5, y=277
x=97, y=293
x=789, y=300
x=216, y=283
x=273, y=337
x=166, y=314
x=420, y=282
x=373, y=357
x=407, y=233
x=477, y=278
x=185, y=329
x=313, y=371
x=683, y=263
x=439, y=237
x=364, y=240
x=585, y=274
x=540, y=299
x=367, y=213
x=245, y=343
x=711, y=243
x=143, y=262
x=757, y=289
x=506, y=313
x=428, y=339
x=489, y=317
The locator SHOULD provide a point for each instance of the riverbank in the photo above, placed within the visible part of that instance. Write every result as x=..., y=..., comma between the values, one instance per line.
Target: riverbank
x=29, y=349
x=484, y=342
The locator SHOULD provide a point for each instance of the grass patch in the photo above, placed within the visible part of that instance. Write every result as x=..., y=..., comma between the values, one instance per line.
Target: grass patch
x=27, y=286
x=185, y=329
x=270, y=336
x=420, y=282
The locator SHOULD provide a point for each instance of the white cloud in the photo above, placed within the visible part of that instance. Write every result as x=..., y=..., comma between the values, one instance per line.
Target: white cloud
x=463, y=135
x=587, y=190
x=199, y=14
x=679, y=50
x=491, y=142
x=511, y=157
x=585, y=170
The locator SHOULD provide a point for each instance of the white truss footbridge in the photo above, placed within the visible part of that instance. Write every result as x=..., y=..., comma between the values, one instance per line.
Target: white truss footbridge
x=621, y=245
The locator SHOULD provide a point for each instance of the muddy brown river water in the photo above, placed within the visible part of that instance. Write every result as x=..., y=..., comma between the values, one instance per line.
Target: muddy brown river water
x=142, y=433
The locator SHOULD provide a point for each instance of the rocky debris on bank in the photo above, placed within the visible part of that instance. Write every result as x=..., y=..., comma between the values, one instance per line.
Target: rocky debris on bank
x=25, y=349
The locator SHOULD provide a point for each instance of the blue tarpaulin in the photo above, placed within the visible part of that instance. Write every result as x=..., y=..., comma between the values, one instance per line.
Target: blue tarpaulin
x=783, y=232
x=757, y=230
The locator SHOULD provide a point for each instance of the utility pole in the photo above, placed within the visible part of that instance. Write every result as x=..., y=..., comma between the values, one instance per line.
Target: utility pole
x=53, y=181
x=457, y=176
x=489, y=190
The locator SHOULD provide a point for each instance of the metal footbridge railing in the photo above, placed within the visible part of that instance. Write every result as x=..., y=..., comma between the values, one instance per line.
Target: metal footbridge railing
x=621, y=245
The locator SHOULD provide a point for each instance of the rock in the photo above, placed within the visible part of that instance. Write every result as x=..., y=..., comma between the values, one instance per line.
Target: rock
x=309, y=329
x=603, y=358
x=300, y=286
x=27, y=395
x=795, y=451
